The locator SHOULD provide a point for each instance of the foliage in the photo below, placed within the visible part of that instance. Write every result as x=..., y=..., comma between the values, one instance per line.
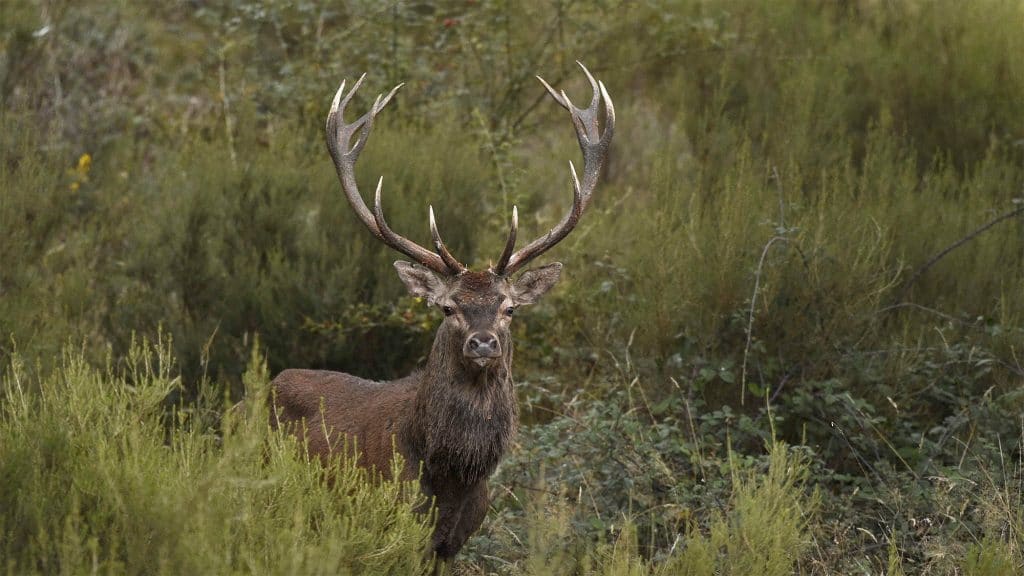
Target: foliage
x=648, y=496
x=788, y=244
x=93, y=479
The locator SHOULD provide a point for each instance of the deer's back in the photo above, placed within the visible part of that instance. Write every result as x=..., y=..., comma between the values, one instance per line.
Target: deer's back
x=324, y=407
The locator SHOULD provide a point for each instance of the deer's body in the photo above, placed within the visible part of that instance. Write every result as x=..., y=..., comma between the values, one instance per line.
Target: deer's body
x=453, y=419
x=351, y=406
x=456, y=461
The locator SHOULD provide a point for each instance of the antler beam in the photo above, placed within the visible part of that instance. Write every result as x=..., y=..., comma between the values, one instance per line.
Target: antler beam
x=594, y=145
x=339, y=137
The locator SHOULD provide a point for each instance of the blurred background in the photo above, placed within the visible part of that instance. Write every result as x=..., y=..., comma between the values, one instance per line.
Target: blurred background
x=809, y=231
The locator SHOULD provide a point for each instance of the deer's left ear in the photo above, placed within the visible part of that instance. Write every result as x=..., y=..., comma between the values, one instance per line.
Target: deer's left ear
x=534, y=283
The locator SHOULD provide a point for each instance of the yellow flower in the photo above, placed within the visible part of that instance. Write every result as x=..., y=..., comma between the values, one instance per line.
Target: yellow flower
x=83, y=167
x=84, y=163
x=80, y=173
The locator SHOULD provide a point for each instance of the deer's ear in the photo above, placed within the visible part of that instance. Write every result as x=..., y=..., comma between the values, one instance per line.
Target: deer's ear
x=534, y=283
x=421, y=281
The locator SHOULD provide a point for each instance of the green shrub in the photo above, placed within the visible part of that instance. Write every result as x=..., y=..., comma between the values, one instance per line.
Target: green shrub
x=93, y=480
x=764, y=532
x=990, y=558
x=759, y=527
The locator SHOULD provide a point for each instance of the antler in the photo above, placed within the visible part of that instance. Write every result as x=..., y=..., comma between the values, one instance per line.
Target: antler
x=339, y=136
x=594, y=145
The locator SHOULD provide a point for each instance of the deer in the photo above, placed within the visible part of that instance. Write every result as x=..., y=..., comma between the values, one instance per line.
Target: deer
x=453, y=419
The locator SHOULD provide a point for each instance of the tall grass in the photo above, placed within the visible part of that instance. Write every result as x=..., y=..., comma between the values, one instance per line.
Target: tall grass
x=95, y=480
x=760, y=529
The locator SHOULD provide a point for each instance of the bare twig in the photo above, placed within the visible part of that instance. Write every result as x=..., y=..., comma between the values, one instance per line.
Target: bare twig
x=934, y=259
x=782, y=200
x=693, y=434
x=940, y=313
x=750, y=316
x=226, y=103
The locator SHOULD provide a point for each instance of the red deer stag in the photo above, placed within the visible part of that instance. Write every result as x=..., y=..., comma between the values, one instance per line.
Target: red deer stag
x=453, y=419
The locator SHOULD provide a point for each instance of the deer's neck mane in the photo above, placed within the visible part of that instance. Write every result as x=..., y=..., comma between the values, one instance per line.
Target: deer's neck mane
x=465, y=416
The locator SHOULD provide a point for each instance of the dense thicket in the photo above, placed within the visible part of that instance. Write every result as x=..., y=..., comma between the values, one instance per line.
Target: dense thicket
x=811, y=230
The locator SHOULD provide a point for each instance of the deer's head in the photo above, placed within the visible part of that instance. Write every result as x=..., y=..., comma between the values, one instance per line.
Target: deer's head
x=478, y=305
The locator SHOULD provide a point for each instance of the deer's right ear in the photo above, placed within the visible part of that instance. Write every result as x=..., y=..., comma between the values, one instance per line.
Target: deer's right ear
x=534, y=283
x=421, y=281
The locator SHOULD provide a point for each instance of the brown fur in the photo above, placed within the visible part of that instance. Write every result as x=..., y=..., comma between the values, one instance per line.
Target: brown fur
x=453, y=418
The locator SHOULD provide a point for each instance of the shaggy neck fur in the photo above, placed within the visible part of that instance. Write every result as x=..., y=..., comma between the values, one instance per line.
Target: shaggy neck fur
x=465, y=416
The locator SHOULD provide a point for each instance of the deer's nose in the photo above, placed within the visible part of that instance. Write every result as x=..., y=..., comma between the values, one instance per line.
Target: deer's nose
x=482, y=345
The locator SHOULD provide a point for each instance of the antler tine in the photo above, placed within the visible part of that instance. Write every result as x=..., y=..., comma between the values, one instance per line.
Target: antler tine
x=345, y=154
x=339, y=136
x=389, y=96
x=593, y=84
x=594, y=144
x=609, y=116
x=402, y=244
x=510, y=244
x=449, y=260
x=553, y=94
x=334, y=104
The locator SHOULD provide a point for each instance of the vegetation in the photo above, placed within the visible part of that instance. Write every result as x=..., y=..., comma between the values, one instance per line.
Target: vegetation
x=94, y=480
x=788, y=337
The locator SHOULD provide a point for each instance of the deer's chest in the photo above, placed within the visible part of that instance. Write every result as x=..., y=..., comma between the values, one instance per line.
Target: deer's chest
x=468, y=442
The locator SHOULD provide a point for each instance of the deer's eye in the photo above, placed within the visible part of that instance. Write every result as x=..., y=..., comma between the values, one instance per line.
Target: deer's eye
x=448, y=310
x=510, y=311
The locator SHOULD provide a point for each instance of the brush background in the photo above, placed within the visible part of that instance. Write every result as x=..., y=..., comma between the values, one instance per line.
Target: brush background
x=741, y=370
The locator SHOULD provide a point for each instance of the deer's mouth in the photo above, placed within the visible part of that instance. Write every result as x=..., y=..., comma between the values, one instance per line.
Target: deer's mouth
x=484, y=361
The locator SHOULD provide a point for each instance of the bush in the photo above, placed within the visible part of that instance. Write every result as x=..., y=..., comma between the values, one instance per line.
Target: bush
x=94, y=480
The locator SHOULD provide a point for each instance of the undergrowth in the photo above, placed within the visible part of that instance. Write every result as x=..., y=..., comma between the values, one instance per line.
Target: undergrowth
x=96, y=480
x=809, y=231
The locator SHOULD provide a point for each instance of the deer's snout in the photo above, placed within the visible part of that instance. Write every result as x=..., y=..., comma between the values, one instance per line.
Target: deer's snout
x=482, y=345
